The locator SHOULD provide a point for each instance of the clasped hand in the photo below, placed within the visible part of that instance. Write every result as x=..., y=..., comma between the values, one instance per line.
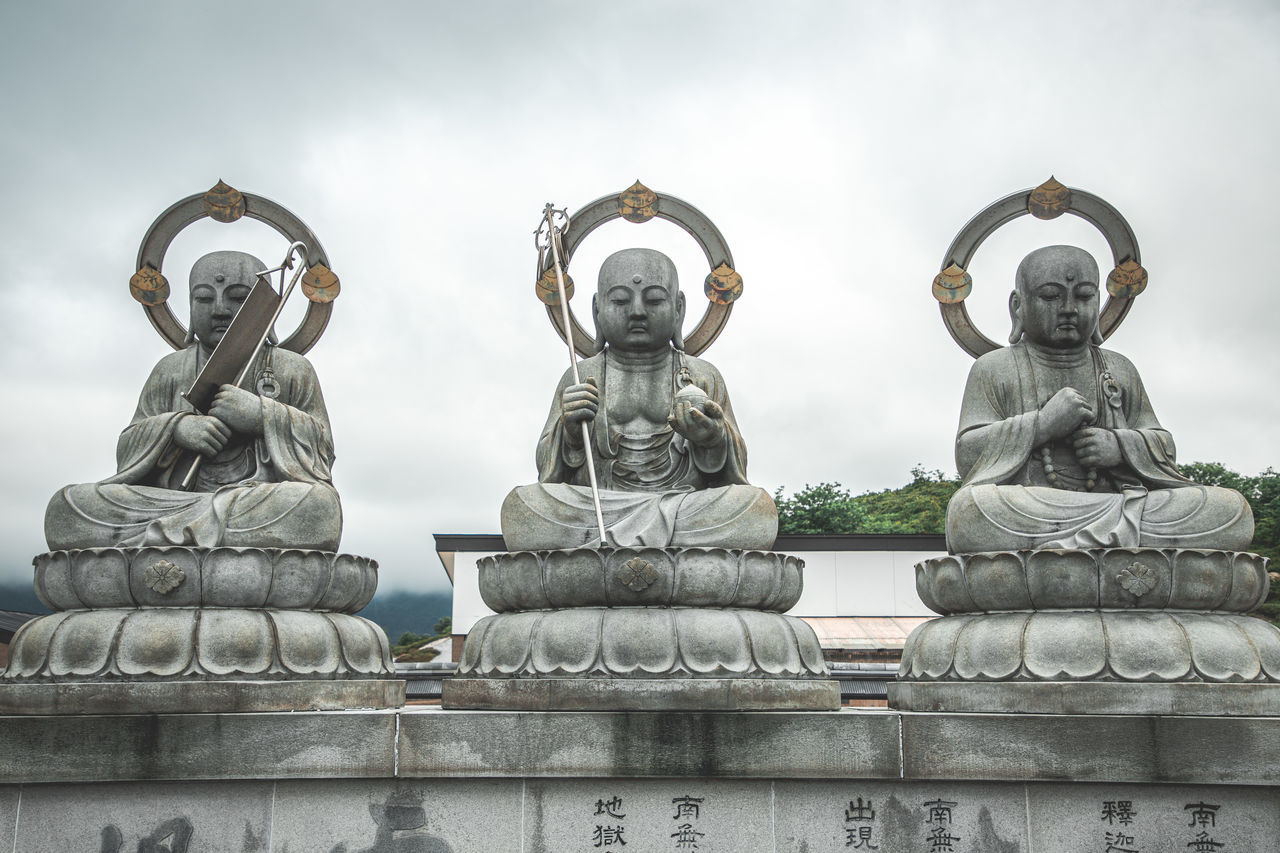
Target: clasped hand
x=1066, y=414
x=234, y=410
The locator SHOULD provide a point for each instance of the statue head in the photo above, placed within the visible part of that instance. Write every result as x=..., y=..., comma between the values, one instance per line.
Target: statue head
x=1055, y=302
x=220, y=282
x=638, y=306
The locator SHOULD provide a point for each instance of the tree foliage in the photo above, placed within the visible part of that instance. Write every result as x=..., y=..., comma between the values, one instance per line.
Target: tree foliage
x=918, y=507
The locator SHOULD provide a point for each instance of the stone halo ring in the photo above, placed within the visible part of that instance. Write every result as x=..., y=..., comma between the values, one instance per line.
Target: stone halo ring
x=224, y=203
x=1047, y=201
x=638, y=203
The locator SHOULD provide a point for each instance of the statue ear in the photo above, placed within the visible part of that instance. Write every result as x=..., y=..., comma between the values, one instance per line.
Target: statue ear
x=1015, y=314
x=191, y=337
x=677, y=337
x=595, y=316
x=1096, y=337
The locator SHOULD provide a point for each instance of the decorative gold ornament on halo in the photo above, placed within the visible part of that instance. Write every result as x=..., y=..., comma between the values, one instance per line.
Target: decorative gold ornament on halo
x=1127, y=280
x=149, y=286
x=952, y=285
x=638, y=203
x=1049, y=200
x=224, y=202
x=548, y=292
x=320, y=284
x=723, y=284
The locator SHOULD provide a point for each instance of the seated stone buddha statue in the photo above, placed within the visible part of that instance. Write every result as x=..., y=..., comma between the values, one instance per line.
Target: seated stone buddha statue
x=1058, y=445
x=264, y=478
x=669, y=459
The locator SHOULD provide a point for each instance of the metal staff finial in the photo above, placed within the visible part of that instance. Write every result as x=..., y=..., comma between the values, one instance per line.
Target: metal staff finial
x=547, y=239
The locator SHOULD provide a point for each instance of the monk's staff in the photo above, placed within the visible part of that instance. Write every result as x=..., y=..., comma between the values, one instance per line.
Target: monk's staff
x=258, y=328
x=553, y=233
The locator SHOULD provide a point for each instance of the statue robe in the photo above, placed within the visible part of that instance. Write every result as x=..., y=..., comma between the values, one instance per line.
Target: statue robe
x=1006, y=502
x=656, y=489
x=271, y=491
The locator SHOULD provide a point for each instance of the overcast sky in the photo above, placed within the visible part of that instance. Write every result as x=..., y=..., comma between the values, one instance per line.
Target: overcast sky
x=839, y=147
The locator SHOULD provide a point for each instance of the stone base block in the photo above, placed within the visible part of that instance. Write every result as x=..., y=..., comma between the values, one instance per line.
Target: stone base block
x=641, y=694
x=214, y=697
x=1075, y=697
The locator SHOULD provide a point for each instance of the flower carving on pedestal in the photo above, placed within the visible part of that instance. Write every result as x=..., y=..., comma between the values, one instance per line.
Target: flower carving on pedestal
x=637, y=574
x=1137, y=579
x=163, y=577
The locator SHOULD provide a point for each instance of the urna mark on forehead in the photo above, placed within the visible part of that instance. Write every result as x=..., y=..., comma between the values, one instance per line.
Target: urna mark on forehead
x=226, y=267
x=638, y=267
x=1061, y=264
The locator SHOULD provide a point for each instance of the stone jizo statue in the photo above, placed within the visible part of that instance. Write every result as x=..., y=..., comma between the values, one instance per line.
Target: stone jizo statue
x=671, y=463
x=1058, y=445
x=266, y=449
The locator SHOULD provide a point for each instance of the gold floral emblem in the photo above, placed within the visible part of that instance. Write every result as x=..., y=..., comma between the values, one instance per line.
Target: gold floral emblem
x=163, y=577
x=952, y=285
x=320, y=284
x=547, y=290
x=224, y=203
x=638, y=203
x=637, y=574
x=1137, y=579
x=723, y=284
x=1049, y=200
x=1128, y=279
x=149, y=286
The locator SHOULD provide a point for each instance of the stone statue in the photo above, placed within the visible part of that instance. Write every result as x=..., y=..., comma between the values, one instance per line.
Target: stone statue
x=1058, y=445
x=264, y=480
x=670, y=460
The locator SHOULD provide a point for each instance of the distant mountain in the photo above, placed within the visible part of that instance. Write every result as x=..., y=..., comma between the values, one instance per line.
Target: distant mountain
x=19, y=596
x=398, y=611
x=394, y=610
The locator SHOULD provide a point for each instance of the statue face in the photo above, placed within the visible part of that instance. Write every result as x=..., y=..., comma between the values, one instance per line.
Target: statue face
x=638, y=305
x=1057, y=297
x=220, y=283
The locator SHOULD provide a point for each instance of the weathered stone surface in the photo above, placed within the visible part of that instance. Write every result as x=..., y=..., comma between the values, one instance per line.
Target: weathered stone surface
x=649, y=744
x=179, y=696
x=640, y=577
x=213, y=816
x=1091, y=748
x=638, y=694
x=1195, y=817
x=891, y=816
x=289, y=579
x=305, y=745
x=415, y=816
x=9, y=797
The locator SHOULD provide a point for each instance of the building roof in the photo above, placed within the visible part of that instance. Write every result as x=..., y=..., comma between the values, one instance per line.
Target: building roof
x=863, y=632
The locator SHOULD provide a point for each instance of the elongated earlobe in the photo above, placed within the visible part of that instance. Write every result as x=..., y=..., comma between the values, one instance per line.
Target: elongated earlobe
x=1015, y=314
x=1096, y=337
x=595, y=315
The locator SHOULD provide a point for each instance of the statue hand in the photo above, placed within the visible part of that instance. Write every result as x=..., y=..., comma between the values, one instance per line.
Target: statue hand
x=1097, y=448
x=239, y=409
x=1065, y=412
x=703, y=427
x=580, y=403
x=201, y=433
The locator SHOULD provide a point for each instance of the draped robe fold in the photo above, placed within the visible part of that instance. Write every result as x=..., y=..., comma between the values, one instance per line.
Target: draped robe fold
x=274, y=491
x=656, y=489
x=1006, y=502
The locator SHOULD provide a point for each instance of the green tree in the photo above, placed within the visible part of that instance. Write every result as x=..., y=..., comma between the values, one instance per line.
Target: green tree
x=824, y=508
x=443, y=626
